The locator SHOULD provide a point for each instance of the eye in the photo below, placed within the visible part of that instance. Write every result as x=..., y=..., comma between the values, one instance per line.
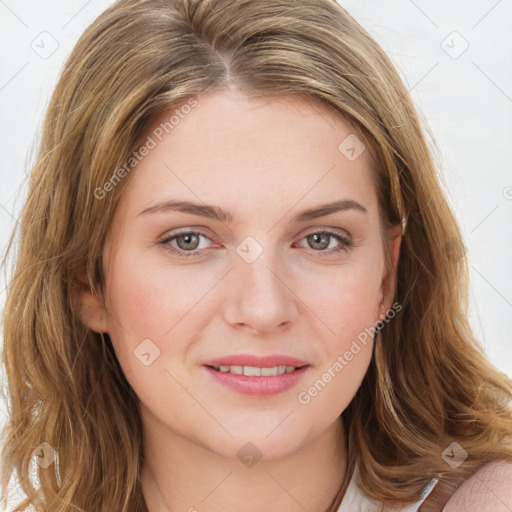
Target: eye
x=187, y=242
x=321, y=240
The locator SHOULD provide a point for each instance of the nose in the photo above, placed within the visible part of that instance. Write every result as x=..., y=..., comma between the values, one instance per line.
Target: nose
x=260, y=298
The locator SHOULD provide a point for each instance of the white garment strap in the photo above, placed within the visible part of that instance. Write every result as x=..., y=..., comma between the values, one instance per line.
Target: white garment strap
x=356, y=501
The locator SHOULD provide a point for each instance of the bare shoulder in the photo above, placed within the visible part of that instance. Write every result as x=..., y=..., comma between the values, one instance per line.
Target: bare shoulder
x=489, y=489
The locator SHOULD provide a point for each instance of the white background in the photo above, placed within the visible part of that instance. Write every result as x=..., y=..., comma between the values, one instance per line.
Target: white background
x=467, y=102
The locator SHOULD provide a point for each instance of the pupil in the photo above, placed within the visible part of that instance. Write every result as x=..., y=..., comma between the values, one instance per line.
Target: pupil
x=187, y=240
x=317, y=237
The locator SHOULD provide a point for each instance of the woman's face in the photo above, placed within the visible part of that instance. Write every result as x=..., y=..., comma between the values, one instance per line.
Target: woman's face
x=242, y=273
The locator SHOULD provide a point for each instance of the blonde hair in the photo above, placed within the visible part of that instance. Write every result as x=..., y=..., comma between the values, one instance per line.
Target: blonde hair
x=428, y=384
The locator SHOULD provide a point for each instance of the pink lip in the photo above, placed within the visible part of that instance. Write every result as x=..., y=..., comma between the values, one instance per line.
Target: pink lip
x=257, y=361
x=258, y=386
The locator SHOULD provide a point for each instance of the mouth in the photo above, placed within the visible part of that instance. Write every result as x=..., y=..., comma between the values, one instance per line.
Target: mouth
x=256, y=371
x=257, y=381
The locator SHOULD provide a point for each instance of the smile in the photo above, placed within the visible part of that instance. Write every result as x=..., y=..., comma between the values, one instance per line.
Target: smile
x=253, y=371
x=257, y=381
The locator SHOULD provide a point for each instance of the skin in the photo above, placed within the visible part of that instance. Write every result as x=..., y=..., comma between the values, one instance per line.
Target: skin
x=264, y=159
x=488, y=490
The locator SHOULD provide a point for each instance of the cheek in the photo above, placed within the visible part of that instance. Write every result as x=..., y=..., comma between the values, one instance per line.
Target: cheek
x=346, y=304
x=174, y=306
x=150, y=307
x=148, y=299
x=346, y=299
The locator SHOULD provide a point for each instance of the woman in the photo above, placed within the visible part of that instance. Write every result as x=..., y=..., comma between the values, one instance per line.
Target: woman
x=238, y=280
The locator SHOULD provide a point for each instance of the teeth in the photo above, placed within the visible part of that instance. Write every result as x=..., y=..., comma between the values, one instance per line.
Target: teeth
x=252, y=371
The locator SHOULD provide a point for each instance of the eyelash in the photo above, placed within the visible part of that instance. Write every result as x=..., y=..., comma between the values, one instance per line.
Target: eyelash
x=345, y=243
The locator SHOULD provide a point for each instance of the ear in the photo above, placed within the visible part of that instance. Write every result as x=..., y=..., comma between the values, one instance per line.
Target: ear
x=388, y=284
x=89, y=305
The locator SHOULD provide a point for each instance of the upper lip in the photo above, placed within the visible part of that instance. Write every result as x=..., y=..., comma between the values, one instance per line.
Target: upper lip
x=257, y=361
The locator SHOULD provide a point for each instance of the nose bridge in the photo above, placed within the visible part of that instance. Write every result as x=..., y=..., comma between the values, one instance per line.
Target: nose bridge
x=260, y=298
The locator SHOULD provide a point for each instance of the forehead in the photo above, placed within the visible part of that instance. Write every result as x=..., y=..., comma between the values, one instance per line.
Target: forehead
x=232, y=148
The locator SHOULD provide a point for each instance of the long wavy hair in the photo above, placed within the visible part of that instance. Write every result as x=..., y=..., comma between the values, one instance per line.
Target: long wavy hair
x=428, y=384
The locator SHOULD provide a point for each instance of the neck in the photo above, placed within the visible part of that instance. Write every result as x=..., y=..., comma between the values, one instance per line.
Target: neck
x=181, y=475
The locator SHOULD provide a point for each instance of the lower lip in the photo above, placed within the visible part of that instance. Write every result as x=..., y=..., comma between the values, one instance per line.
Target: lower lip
x=259, y=386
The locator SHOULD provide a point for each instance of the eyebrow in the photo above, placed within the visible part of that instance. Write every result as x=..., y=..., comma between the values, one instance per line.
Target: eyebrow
x=222, y=215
